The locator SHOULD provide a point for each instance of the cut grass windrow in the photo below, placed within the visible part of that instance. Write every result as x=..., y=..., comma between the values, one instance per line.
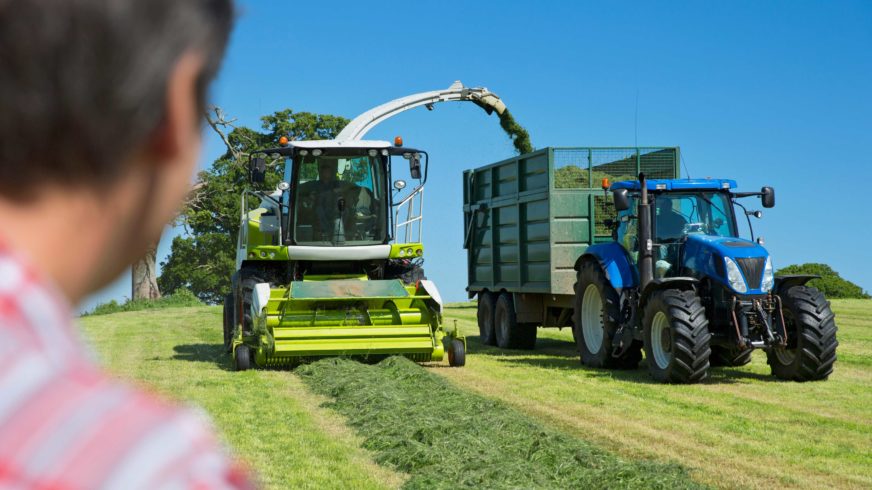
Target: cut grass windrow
x=444, y=437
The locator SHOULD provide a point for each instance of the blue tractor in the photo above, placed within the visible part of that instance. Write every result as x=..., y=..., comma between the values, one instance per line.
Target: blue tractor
x=679, y=282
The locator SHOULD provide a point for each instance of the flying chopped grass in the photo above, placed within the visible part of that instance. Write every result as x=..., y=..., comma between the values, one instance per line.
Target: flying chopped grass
x=444, y=437
x=519, y=136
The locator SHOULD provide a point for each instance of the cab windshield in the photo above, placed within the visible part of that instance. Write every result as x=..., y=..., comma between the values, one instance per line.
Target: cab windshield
x=339, y=200
x=680, y=214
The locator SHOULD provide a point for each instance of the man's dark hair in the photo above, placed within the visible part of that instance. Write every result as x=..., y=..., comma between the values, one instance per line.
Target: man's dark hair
x=83, y=82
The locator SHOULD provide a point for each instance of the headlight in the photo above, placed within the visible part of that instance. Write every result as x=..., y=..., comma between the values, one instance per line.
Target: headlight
x=734, y=276
x=768, y=276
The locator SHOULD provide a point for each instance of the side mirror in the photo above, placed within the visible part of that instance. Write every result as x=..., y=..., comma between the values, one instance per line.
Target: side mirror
x=768, y=197
x=415, y=166
x=256, y=170
x=622, y=201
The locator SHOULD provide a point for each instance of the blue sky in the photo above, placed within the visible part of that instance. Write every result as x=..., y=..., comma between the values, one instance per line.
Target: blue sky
x=767, y=93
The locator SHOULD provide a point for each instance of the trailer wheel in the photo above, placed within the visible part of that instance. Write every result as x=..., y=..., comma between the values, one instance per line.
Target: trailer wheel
x=811, y=337
x=456, y=353
x=486, y=318
x=676, y=337
x=242, y=358
x=594, y=318
x=729, y=356
x=509, y=333
x=228, y=323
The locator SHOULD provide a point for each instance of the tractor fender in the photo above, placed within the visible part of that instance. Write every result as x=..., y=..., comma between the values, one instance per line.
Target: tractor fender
x=783, y=283
x=615, y=262
x=682, y=283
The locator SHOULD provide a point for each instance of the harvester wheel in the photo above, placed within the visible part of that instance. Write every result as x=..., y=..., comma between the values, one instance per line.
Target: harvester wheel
x=729, y=356
x=811, y=337
x=456, y=353
x=242, y=358
x=486, y=318
x=594, y=316
x=676, y=337
x=228, y=323
x=509, y=333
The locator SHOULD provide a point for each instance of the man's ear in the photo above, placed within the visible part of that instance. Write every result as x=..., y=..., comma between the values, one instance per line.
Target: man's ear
x=180, y=119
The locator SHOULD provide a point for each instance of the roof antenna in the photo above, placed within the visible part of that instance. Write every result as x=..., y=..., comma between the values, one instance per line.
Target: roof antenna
x=684, y=163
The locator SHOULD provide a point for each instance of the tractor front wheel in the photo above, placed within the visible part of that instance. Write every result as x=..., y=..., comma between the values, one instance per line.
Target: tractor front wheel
x=486, y=318
x=730, y=356
x=811, y=337
x=676, y=337
x=456, y=353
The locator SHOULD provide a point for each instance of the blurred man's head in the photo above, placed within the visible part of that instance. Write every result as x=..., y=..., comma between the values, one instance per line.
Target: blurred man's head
x=103, y=98
x=327, y=170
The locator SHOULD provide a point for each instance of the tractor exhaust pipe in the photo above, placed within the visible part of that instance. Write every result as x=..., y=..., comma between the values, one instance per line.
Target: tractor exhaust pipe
x=646, y=256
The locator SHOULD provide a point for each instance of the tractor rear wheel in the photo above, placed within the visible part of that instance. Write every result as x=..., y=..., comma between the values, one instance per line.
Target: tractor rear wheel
x=228, y=323
x=486, y=318
x=456, y=353
x=242, y=358
x=811, y=337
x=729, y=356
x=676, y=337
x=509, y=333
x=595, y=320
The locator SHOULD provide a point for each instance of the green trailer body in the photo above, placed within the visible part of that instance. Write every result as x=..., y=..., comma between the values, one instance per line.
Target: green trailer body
x=527, y=219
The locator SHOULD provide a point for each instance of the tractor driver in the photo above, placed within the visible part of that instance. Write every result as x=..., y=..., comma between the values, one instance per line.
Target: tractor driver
x=670, y=228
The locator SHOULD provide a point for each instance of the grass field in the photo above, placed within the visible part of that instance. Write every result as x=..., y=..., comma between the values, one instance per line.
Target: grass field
x=741, y=428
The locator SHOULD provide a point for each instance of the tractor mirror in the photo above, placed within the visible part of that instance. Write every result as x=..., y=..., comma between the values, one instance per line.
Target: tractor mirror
x=622, y=202
x=415, y=166
x=257, y=170
x=768, y=197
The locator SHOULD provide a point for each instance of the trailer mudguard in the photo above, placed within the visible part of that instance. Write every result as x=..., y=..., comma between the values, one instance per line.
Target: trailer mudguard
x=615, y=261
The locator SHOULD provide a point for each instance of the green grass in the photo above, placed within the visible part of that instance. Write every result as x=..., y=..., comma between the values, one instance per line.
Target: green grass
x=269, y=418
x=740, y=428
x=182, y=297
x=445, y=437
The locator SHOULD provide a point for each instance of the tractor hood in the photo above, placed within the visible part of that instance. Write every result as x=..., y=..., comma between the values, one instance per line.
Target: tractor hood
x=739, y=264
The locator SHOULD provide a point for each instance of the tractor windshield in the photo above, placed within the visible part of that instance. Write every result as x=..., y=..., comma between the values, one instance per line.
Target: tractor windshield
x=339, y=200
x=680, y=214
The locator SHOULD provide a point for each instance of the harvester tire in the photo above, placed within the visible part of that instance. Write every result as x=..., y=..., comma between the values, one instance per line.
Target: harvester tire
x=729, y=356
x=677, y=339
x=242, y=358
x=244, y=301
x=509, y=333
x=486, y=318
x=595, y=316
x=811, y=337
x=228, y=323
x=456, y=353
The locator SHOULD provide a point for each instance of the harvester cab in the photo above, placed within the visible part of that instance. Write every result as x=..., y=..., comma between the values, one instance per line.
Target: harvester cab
x=329, y=263
x=689, y=290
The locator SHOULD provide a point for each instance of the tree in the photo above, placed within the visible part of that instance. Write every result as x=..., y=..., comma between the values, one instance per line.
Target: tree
x=203, y=259
x=143, y=277
x=830, y=282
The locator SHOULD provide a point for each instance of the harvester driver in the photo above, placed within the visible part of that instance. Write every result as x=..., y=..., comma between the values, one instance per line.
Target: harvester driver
x=324, y=200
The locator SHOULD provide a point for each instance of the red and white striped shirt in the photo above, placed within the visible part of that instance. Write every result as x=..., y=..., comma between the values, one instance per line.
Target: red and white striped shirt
x=64, y=424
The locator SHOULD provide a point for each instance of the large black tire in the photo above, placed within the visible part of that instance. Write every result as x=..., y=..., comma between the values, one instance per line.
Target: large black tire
x=486, y=318
x=242, y=358
x=228, y=323
x=456, y=353
x=596, y=321
x=811, y=337
x=676, y=337
x=729, y=356
x=509, y=333
x=243, y=302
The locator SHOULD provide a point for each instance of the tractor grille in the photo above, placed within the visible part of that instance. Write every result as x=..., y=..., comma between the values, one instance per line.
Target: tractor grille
x=752, y=268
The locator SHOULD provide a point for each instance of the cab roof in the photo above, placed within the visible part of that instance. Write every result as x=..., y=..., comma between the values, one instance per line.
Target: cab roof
x=677, y=184
x=334, y=147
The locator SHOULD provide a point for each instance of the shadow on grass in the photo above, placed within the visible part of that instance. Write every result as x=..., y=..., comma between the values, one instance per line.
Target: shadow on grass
x=562, y=355
x=213, y=353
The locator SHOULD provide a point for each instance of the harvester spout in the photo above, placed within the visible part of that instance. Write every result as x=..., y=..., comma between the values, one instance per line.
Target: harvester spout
x=480, y=96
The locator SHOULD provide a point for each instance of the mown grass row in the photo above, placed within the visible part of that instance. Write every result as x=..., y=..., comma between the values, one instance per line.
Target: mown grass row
x=445, y=437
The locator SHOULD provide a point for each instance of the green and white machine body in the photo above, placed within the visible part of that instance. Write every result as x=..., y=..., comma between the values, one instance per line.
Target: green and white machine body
x=330, y=262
